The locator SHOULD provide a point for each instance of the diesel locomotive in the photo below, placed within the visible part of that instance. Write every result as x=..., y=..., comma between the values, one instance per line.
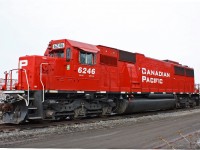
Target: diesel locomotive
x=74, y=79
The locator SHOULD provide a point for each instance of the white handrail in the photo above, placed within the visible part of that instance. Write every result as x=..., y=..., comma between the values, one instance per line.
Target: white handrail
x=27, y=102
x=41, y=80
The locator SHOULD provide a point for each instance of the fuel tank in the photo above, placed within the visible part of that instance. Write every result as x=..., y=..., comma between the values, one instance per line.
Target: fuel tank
x=151, y=102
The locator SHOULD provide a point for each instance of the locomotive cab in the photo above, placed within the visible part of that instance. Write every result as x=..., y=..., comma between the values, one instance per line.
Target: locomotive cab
x=63, y=69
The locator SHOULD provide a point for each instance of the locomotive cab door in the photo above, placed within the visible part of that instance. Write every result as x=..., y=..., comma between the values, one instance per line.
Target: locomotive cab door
x=62, y=77
x=69, y=67
x=87, y=74
x=134, y=78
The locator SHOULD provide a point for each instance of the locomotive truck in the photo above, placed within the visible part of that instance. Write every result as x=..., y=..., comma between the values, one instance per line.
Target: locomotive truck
x=75, y=79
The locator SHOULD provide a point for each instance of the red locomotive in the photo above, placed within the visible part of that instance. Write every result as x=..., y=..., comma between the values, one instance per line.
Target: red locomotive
x=75, y=79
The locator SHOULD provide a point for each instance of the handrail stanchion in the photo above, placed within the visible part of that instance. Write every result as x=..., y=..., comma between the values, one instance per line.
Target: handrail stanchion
x=6, y=79
x=10, y=79
x=41, y=80
x=27, y=103
x=27, y=82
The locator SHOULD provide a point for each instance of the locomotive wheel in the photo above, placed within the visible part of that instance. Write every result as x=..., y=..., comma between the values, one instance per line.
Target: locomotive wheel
x=78, y=113
x=18, y=115
x=197, y=102
x=121, y=107
x=106, y=111
x=185, y=105
x=193, y=104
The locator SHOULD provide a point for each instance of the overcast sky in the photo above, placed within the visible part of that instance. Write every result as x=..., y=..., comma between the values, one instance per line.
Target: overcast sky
x=161, y=29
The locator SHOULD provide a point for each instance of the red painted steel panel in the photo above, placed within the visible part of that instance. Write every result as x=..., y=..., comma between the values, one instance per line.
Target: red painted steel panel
x=145, y=75
x=84, y=46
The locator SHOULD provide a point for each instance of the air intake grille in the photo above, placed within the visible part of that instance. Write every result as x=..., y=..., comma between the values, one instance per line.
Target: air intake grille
x=127, y=56
x=108, y=60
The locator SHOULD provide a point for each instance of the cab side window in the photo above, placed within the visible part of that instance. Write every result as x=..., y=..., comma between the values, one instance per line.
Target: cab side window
x=68, y=54
x=57, y=53
x=86, y=58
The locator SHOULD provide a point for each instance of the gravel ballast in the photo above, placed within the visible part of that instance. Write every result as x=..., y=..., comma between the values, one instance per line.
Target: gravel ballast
x=17, y=136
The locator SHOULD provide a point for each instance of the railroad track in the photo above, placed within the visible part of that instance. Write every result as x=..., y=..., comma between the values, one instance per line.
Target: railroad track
x=8, y=128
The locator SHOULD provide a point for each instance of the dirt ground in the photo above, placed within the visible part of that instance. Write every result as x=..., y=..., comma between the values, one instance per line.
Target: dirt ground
x=174, y=131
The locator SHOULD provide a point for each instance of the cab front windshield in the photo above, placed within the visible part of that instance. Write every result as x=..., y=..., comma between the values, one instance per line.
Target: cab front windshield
x=57, y=53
